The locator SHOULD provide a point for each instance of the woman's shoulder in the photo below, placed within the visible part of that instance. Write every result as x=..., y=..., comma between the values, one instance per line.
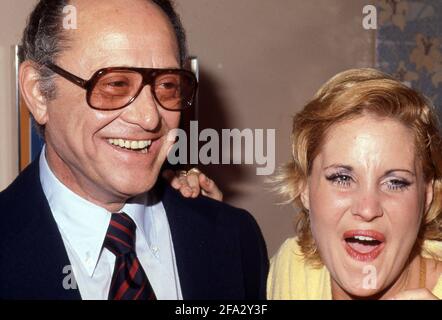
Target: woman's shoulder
x=288, y=248
x=288, y=256
x=433, y=254
x=291, y=277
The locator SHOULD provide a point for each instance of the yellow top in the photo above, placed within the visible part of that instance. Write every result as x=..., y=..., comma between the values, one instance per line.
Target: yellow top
x=290, y=278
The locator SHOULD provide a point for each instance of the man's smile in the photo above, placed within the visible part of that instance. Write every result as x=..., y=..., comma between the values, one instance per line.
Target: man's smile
x=136, y=145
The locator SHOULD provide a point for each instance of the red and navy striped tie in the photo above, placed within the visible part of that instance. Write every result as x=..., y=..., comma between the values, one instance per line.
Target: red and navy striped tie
x=129, y=281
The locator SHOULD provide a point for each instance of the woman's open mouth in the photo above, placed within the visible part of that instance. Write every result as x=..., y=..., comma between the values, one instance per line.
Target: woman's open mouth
x=364, y=245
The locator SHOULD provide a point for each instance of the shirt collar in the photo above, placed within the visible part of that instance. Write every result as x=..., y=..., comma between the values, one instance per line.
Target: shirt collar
x=83, y=223
x=136, y=209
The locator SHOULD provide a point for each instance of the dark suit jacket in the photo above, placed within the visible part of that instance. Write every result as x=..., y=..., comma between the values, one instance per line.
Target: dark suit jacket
x=219, y=249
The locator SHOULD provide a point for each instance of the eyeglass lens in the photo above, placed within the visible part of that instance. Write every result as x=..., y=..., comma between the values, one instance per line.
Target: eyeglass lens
x=116, y=89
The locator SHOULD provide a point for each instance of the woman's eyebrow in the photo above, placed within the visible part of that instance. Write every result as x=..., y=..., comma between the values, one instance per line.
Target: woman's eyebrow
x=350, y=169
x=339, y=166
x=388, y=172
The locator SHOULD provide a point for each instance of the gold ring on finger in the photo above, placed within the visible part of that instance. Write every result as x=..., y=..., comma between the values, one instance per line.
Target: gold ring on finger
x=182, y=173
x=194, y=171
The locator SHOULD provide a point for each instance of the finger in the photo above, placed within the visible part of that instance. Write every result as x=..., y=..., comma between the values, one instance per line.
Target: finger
x=415, y=294
x=209, y=188
x=194, y=184
x=184, y=187
x=170, y=176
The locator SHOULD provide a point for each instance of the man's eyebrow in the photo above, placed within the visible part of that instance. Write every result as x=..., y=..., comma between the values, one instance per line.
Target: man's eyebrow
x=339, y=166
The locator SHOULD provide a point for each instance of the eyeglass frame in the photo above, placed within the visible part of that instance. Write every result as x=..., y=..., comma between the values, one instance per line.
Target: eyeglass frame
x=148, y=75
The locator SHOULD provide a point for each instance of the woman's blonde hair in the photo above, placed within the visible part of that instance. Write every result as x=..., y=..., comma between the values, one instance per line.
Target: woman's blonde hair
x=349, y=95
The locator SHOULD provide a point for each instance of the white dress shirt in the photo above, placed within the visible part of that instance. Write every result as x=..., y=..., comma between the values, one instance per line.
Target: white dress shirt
x=83, y=227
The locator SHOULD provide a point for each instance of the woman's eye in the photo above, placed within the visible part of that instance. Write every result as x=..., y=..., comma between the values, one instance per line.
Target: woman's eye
x=397, y=185
x=341, y=180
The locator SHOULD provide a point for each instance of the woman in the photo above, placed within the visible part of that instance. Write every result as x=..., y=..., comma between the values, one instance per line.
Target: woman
x=367, y=175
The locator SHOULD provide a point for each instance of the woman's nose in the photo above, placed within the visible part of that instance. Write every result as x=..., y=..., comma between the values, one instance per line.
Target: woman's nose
x=367, y=205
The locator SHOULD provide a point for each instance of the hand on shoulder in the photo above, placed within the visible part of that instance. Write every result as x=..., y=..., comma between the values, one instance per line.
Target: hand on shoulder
x=192, y=183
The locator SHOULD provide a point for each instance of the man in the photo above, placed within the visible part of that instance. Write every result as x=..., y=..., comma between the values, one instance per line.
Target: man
x=87, y=206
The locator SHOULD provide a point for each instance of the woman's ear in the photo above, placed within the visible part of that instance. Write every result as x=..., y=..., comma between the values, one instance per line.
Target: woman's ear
x=30, y=90
x=429, y=194
x=305, y=197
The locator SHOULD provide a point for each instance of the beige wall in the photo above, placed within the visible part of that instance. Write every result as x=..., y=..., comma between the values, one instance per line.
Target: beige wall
x=261, y=61
x=13, y=16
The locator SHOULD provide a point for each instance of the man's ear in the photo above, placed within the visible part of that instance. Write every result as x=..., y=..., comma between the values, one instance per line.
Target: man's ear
x=305, y=197
x=30, y=90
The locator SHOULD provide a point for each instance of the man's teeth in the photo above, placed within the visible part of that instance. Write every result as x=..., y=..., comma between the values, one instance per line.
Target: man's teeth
x=130, y=144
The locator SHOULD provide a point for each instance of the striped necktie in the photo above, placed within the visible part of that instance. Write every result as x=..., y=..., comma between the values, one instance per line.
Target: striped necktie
x=129, y=281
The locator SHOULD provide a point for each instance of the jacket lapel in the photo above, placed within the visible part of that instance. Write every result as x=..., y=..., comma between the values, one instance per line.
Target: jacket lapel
x=45, y=267
x=191, y=234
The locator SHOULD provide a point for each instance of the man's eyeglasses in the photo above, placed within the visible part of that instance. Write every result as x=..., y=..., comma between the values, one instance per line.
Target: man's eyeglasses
x=117, y=87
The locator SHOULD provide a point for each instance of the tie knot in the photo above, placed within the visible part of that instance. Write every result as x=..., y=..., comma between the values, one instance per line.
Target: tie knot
x=120, y=236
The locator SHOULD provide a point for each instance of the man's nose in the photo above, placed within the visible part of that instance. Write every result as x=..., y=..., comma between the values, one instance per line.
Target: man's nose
x=367, y=205
x=143, y=111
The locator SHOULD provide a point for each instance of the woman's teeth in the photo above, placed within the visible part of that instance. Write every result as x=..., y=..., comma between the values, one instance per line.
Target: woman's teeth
x=131, y=144
x=362, y=238
x=364, y=245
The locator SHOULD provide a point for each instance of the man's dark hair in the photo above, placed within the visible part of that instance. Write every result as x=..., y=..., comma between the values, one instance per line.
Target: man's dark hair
x=43, y=39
